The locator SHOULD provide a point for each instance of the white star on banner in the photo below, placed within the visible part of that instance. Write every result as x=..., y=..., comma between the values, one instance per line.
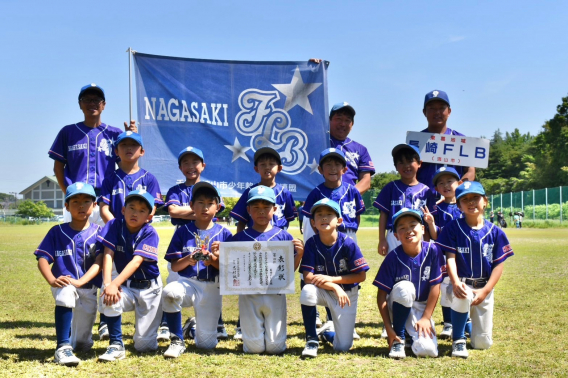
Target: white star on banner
x=238, y=151
x=313, y=166
x=297, y=92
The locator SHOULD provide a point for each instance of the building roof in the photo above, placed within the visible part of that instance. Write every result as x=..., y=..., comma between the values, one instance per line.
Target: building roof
x=39, y=182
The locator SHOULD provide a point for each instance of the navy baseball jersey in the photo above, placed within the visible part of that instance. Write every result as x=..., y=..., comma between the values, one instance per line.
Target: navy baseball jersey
x=424, y=271
x=284, y=214
x=477, y=251
x=427, y=171
x=396, y=195
x=275, y=234
x=71, y=252
x=357, y=156
x=125, y=245
x=349, y=200
x=180, y=195
x=444, y=213
x=87, y=153
x=342, y=258
x=118, y=184
x=187, y=239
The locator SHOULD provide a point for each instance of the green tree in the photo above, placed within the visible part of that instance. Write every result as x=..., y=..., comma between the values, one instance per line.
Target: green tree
x=29, y=208
x=229, y=202
x=380, y=179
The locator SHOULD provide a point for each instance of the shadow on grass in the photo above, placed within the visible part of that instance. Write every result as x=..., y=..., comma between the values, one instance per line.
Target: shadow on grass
x=25, y=324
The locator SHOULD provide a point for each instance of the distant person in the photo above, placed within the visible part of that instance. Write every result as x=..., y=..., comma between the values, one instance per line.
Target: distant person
x=301, y=216
x=492, y=217
x=437, y=110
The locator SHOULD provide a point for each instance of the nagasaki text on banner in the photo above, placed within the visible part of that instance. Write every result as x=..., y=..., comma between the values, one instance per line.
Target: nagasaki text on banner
x=230, y=109
x=256, y=268
x=450, y=149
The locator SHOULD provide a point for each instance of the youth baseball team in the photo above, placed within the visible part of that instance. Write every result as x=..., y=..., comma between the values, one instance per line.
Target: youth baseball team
x=104, y=258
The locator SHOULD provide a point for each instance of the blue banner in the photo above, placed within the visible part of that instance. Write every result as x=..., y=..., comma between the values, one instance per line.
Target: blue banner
x=230, y=109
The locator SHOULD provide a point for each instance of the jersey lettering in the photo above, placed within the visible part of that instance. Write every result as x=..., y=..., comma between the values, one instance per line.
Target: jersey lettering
x=64, y=252
x=80, y=146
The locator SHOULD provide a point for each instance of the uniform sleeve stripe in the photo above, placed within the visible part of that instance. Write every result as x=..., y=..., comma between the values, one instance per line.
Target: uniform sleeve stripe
x=174, y=254
x=361, y=210
x=306, y=213
x=292, y=217
x=308, y=268
x=173, y=202
x=377, y=283
x=445, y=246
x=104, y=199
x=439, y=278
x=379, y=206
x=146, y=254
x=42, y=252
x=106, y=242
x=360, y=267
x=366, y=167
x=502, y=258
x=235, y=215
x=51, y=152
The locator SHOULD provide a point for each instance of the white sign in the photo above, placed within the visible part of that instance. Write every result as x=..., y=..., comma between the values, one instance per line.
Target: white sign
x=256, y=267
x=450, y=149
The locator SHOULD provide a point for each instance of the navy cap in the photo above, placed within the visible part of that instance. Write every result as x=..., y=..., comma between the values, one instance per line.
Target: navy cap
x=406, y=211
x=436, y=95
x=80, y=188
x=142, y=193
x=129, y=135
x=399, y=147
x=190, y=150
x=344, y=106
x=469, y=187
x=261, y=192
x=205, y=184
x=267, y=150
x=332, y=152
x=329, y=203
x=445, y=171
x=94, y=88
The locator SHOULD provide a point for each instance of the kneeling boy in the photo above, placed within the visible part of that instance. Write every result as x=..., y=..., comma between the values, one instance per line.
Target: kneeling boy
x=411, y=277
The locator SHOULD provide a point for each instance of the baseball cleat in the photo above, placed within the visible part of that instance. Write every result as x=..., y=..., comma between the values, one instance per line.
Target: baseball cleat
x=175, y=349
x=446, y=331
x=397, y=351
x=163, y=334
x=318, y=322
x=459, y=349
x=64, y=356
x=189, y=328
x=114, y=352
x=356, y=335
x=326, y=326
x=311, y=349
x=384, y=334
x=238, y=334
x=103, y=332
x=222, y=332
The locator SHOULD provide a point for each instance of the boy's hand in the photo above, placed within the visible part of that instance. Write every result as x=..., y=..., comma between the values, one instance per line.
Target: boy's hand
x=61, y=281
x=131, y=127
x=215, y=248
x=342, y=297
x=424, y=327
x=76, y=283
x=460, y=290
x=392, y=337
x=298, y=246
x=479, y=296
x=428, y=217
x=208, y=258
x=191, y=261
x=383, y=247
x=111, y=294
x=320, y=279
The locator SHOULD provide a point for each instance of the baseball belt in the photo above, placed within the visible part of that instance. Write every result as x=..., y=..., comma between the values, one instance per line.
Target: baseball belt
x=141, y=284
x=476, y=283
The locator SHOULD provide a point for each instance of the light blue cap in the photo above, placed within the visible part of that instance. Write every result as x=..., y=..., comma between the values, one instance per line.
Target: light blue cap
x=332, y=152
x=261, y=192
x=141, y=193
x=406, y=211
x=445, y=171
x=469, y=187
x=329, y=203
x=191, y=150
x=79, y=188
x=129, y=135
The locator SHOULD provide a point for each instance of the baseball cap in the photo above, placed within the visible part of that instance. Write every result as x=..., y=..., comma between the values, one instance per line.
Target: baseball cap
x=190, y=150
x=445, y=171
x=267, y=150
x=141, y=193
x=129, y=135
x=332, y=152
x=92, y=88
x=342, y=105
x=205, y=184
x=399, y=147
x=329, y=203
x=79, y=188
x=436, y=95
x=261, y=192
x=406, y=211
x=469, y=187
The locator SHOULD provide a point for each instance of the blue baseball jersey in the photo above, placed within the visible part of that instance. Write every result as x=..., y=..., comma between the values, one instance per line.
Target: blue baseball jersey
x=284, y=214
x=118, y=184
x=396, y=195
x=424, y=271
x=444, y=213
x=349, y=200
x=427, y=170
x=180, y=195
x=342, y=258
x=357, y=156
x=274, y=234
x=116, y=236
x=187, y=239
x=87, y=153
x=71, y=252
x=477, y=251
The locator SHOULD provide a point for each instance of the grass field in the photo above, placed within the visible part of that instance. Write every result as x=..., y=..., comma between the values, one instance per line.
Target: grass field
x=530, y=338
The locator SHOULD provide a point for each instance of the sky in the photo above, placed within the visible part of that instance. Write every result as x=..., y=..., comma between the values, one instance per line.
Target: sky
x=503, y=66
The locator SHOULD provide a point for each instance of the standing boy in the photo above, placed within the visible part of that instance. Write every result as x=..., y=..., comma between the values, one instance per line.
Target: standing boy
x=411, y=277
x=333, y=266
x=406, y=192
x=193, y=253
x=263, y=316
x=70, y=247
x=131, y=243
